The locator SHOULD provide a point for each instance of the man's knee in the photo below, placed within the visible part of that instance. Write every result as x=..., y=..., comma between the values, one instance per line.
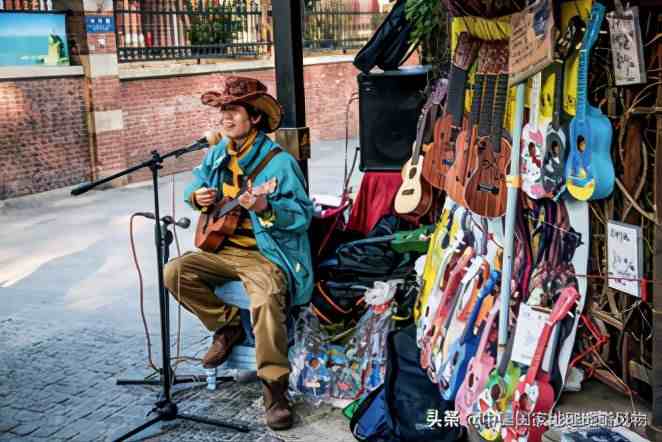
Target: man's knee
x=171, y=273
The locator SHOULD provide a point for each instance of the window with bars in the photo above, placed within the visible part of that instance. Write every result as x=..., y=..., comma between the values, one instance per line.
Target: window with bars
x=180, y=29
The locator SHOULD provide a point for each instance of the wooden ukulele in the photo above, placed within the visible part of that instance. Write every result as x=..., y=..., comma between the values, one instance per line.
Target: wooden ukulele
x=589, y=169
x=555, y=144
x=533, y=144
x=414, y=196
x=485, y=191
x=479, y=369
x=221, y=219
x=455, y=179
x=446, y=129
x=534, y=394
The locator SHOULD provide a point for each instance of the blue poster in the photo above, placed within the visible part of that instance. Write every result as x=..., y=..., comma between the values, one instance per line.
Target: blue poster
x=33, y=39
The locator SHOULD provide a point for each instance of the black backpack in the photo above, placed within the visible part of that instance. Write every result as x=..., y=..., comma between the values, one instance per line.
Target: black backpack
x=389, y=46
x=410, y=396
x=399, y=409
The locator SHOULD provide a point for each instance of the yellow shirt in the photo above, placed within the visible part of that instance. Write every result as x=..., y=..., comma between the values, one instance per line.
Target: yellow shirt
x=243, y=236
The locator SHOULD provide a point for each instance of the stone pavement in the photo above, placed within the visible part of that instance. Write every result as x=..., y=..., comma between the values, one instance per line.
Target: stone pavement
x=69, y=322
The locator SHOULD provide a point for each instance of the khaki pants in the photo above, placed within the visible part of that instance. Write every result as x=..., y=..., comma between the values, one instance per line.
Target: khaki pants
x=192, y=278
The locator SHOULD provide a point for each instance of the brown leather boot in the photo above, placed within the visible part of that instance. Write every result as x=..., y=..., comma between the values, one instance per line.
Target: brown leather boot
x=277, y=406
x=224, y=339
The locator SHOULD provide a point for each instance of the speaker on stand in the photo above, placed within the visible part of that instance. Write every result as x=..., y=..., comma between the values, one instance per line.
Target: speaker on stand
x=390, y=103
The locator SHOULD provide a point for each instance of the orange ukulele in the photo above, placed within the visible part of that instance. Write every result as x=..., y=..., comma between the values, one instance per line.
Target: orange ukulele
x=485, y=191
x=221, y=219
x=446, y=129
x=455, y=179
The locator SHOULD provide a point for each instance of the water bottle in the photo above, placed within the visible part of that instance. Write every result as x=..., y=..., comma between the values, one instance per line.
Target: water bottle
x=211, y=379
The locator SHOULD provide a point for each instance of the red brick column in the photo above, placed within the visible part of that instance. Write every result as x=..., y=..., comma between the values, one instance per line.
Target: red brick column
x=97, y=53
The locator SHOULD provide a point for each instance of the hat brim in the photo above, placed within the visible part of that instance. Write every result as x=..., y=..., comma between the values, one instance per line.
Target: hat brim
x=259, y=100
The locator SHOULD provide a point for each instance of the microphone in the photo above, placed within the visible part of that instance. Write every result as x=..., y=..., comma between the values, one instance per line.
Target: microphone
x=212, y=138
x=208, y=139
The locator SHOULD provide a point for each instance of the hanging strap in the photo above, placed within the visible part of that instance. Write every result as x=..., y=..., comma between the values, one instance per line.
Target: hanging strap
x=272, y=153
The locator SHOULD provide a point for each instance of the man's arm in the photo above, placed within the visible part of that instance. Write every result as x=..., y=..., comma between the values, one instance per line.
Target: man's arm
x=201, y=178
x=290, y=207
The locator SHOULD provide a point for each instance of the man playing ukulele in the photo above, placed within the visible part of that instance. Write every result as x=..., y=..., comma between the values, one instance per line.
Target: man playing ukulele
x=268, y=252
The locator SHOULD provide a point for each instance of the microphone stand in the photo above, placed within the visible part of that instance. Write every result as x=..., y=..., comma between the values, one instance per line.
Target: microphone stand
x=165, y=408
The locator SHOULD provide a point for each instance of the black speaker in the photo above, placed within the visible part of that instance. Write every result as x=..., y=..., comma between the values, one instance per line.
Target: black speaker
x=390, y=103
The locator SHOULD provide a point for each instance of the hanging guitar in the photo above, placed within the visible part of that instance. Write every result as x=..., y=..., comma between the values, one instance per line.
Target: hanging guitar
x=589, y=170
x=478, y=370
x=442, y=154
x=555, y=144
x=534, y=394
x=221, y=219
x=414, y=196
x=533, y=144
x=456, y=177
x=485, y=192
x=453, y=372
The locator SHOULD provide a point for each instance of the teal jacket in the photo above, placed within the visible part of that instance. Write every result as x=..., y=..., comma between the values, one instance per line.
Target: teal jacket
x=285, y=240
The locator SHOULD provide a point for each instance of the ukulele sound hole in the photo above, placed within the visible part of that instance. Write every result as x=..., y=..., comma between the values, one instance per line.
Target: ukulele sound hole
x=412, y=173
x=408, y=192
x=471, y=381
x=495, y=392
x=491, y=189
x=581, y=143
x=524, y=403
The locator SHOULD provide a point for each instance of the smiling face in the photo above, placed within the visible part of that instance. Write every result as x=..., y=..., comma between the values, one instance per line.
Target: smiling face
x=236, y=122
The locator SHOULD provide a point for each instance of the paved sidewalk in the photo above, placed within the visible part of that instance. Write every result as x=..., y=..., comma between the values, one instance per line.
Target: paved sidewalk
x=70, y=324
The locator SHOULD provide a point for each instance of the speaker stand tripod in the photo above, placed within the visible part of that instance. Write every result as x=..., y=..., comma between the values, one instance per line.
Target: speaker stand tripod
x=165, y=409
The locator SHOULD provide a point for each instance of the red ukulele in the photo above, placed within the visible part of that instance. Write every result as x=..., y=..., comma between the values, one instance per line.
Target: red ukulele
x=534, y=395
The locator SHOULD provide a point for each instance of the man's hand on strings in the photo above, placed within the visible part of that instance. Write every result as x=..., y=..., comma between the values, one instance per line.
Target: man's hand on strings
x=256, y=203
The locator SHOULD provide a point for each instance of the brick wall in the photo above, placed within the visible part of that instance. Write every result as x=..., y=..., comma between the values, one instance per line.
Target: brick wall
x=162, y=113
x=43, y=136
x=45, y=142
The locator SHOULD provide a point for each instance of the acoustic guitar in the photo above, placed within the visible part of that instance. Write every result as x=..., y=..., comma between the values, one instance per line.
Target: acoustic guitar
x=534, y=394
x=221, y=219
x=555, y=144
x=485, y=192
x=446, y=129
x=589, y=169
x=414, y=196
x=455, y=179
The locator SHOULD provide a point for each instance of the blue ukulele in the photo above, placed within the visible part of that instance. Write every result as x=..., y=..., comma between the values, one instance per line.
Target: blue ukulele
x=589, y=171
x=460, y=353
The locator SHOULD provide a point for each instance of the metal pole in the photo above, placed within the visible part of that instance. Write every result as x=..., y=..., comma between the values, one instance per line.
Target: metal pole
x=288, y=54
x=511, y=211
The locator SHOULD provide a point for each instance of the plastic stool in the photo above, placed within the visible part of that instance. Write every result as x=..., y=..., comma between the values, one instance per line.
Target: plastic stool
x=243, y=355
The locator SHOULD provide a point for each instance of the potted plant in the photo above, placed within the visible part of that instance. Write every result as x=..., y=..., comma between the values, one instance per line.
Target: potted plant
x=214, y=29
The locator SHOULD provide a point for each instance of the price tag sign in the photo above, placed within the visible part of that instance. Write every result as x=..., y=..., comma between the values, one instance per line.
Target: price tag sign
x=98, y=24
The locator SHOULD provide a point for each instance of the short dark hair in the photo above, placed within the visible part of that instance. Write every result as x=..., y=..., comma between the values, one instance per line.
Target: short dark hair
x=253, y=112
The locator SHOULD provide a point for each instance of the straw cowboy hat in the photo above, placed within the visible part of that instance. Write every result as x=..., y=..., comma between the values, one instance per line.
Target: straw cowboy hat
x=238, y=90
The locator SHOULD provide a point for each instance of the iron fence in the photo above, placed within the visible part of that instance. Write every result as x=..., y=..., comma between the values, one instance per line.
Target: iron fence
x=26, y=5
x=181, y=29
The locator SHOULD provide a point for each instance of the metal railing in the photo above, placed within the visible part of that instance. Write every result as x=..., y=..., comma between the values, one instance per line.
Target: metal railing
x=26, y=5
x=185, y=29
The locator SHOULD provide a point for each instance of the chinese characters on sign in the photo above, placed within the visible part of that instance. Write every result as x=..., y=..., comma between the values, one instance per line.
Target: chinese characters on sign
x=558, y=420
x=99, y=24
